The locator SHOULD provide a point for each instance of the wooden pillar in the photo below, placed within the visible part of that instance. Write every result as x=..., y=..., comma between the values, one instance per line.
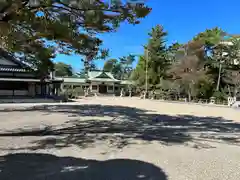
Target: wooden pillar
x=47, y=89
x=13, y=93
x=35, y=89
x=55, y=90
x=31, y=89
x=58, y=89
x=13, y=74
x=41, y=89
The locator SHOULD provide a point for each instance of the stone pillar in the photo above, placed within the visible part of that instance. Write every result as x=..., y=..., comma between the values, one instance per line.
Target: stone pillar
x=122, y=93
x=85, y=91
x=212, y=100
x=231, y=100
x=62, y=86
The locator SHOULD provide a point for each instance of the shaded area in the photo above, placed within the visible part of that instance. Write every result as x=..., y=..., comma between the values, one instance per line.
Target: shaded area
x=29, y=166
x=26, y=99
x=126, y=125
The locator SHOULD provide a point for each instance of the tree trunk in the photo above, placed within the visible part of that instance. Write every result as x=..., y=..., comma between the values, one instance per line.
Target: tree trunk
x=176, y=95
x=219, y=76
x=235, y=91
x=189, y=95
x=229, y=91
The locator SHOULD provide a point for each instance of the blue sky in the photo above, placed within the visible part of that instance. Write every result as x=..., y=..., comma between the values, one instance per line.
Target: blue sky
x=181, y=19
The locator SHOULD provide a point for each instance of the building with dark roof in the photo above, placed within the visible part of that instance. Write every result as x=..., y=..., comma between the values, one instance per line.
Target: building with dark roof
x=20, y=80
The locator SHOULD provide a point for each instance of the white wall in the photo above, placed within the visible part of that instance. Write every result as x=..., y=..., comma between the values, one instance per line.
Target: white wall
x=107, y=84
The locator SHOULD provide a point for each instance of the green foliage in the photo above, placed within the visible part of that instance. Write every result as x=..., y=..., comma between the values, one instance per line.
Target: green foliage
x=191, y=70
x=155, y=59
x=220, y=96
x=121, y=68
x=110, y=64
x=211, y=37
x=62, y=69
x=138, y=74
x=126, y=63
x=89, y=65
x=113, y=66
x=64, y=21
x=175, y=52
x=70, y=26
x=39, y=58
x=156, y=55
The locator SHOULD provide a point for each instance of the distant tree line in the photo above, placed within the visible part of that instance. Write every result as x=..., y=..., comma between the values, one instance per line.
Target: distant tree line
x=206, y=66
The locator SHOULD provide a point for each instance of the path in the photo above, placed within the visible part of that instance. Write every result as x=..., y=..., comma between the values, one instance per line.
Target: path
x=120, y=139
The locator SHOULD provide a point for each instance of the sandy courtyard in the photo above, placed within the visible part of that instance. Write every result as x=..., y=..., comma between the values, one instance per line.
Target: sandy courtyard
x=119, y=139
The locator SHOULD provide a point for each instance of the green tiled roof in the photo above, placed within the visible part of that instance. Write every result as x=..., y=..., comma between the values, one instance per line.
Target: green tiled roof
x=93, y=74
x=101, y=76
x=80, y=75
x=104, y=80
x=110, y=75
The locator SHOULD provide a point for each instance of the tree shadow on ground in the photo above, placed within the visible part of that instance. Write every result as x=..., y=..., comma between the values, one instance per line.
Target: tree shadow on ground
x=127, y=124
x=29, y=166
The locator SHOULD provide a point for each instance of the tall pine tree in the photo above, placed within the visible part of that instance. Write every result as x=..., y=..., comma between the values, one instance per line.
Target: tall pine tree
x=155, y=60
x=157, y=55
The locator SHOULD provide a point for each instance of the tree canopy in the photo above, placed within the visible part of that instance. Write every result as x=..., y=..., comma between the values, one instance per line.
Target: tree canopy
x=28, y=27
x=121, y=68
x=62, y=69
x=70, y=25
x=205, y=66
x=110, y=64
x=155, y=55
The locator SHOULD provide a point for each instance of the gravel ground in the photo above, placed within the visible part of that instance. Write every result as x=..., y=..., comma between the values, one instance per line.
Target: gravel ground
x=119, y=139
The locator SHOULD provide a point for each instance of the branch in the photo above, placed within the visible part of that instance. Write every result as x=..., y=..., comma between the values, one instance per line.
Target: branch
x=4, y=9
x=11, y=7
x=90, y=9
x=6, y=16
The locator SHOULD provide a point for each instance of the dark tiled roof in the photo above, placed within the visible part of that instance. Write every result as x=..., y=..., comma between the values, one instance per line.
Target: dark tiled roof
x=10, y=57
x=11, y=69
x=21, y=67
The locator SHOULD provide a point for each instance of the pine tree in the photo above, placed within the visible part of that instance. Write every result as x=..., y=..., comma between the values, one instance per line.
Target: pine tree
x=138, y=74
x=71, y=26
x=157, y=56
